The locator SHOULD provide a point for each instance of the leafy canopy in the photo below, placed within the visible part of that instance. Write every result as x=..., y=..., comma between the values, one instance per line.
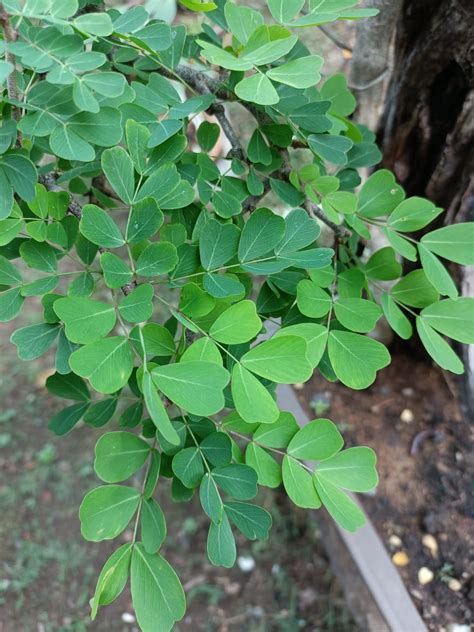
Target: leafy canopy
x=158, y=270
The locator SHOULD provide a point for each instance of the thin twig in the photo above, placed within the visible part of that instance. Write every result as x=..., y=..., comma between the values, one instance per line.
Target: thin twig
x=334, y=39
x=74, y=208
x=315, y=211
x=11, y=35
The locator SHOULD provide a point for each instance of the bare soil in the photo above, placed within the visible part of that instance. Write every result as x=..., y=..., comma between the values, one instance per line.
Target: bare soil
x=425, y=460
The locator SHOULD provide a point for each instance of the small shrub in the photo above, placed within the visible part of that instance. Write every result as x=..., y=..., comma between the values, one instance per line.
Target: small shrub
x=158, y=269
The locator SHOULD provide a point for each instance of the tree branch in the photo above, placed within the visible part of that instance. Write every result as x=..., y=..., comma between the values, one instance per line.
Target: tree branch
x=74, y=208
x=10, y=36
x=315, y=212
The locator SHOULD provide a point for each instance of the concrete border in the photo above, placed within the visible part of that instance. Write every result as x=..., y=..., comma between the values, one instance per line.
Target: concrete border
x=372, y=586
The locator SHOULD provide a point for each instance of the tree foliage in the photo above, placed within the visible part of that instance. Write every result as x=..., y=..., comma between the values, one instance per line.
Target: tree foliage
x=158, y=269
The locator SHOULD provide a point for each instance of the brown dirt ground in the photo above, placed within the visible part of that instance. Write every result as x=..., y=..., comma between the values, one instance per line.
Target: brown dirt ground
x=426, y=480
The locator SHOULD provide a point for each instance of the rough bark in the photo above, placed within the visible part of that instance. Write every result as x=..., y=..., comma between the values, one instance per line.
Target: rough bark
x=371, y=60
x=427, y=130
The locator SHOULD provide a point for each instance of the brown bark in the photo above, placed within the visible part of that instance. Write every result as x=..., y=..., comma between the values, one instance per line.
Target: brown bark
x=427, y=131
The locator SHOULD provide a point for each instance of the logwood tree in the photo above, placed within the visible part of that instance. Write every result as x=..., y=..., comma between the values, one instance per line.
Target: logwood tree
x=157, y=270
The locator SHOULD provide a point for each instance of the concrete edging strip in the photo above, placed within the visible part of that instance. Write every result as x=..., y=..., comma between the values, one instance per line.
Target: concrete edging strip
x=393, y=609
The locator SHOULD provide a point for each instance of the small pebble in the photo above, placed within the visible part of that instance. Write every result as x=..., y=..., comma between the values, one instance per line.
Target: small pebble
x=431, y=544
x=454, y=585
x=408, y=392
x=246, y=563
x=394, y=540
x=128, y=618
x=407, y=416
x=400, y=558
x=459, y=627
x=298, y=387
x=425, y=575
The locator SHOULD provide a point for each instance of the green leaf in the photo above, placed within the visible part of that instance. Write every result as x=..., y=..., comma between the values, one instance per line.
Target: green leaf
x=158, y=340
x=379, y=195
x=254, y=522
x=239, y=481
x=208, y=133
x=21, y=173
x=282, y=360
x=239, y=323
x=67, y=144
x=356, y=359
x=217, y=448
x=118, y=169
x=453, y=318
x=438, y=348
x=39, y=256
x=99, y=228
x=68, y=386
x=116, y=272
x=210, y=498
x=258, y=151
x=137, y=142
x=342, y=509
x=188, y=467
x=299, y=73
x=395, y=317
x=107, y=363
x=315, y=335
x=413, y=214
x=118, y=455
x=153, y=526
x=284, y=10
x=66, y=419
x=9, y=274
x=452, y=242
x=112, y=579
x=401, y=245
x=312, y=117
x=298, y=484
x=319, y=439
x=312, y=300
x=145, y=220
x=300, y=231
x=195, y=302
x=267, y=468
x=157, y=595
x=168, y=189
x=242, y=21
x=262, y=232
x=280, y=43
x=415, y=290
x=106, y=511
x=137, y=307
x=221, y=549
x=95, y=24
x=252, y=400
x=11, y=303
x=157, y=411
x=6, y=68
x=436, y=273
x=357, y=314
x=217, y=244
x=158, y=258
x=257, y=88
x=278, y=434
x=383, y=265
x=85, y=320
x=198, y=5
x=352, y=469
x=335, y=90
x=331, y=148
x=195, y=386
x=33, y=341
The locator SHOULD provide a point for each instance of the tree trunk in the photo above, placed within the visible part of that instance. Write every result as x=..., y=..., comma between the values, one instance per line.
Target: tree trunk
x=427, y=130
